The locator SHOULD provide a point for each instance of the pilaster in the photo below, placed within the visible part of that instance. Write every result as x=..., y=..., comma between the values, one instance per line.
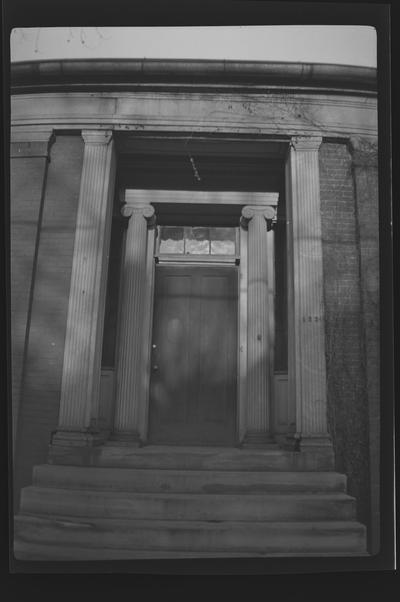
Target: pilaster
x=82, y=355
x=307, y=367
x=131, y=368
x=258, y=220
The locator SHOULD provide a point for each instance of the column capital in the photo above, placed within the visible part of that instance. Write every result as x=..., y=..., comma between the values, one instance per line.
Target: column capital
x=31, y=141
x=140, y=210
x=306, y=143
x=97, y=137
x=267, y=212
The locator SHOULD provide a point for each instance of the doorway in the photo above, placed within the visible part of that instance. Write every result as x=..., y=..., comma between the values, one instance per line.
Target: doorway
x=193, y=382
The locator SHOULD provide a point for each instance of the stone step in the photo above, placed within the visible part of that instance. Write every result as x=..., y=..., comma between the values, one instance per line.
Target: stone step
x=126, y=538
x=195, y=458
x=35, y=551
x=190, y=481
x=188, y=506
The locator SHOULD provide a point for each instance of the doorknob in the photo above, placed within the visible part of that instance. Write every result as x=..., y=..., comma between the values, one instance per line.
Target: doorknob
x=155, y=368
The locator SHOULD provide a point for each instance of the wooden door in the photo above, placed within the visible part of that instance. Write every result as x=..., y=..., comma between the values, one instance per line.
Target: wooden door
x=194, y=356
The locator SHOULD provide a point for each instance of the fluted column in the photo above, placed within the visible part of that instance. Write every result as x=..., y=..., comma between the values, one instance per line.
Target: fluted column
x=307, y=369
x=258, y=220
x=131, y=369
x=82, y=353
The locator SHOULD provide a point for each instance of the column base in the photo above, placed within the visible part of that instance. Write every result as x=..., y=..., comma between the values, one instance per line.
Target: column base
x=320, y=443
x=77, y=448
x=292, y=441
x=258, y=440
x=78, y=438
x=131, y=439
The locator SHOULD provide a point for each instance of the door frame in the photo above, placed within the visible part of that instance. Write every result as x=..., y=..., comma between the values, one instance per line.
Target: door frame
x=231, y=265
x=186, y=199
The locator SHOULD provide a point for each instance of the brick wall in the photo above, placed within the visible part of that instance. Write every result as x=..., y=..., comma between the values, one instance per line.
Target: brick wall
x=365, y=170
x=346, y=367
x=44, y=357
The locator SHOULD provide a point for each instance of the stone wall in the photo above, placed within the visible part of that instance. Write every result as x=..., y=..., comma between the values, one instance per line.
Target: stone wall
x=28, y=169
x=48, y=306
x=344, y=291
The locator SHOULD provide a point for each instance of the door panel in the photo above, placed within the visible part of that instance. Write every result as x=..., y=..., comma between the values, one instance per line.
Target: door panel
x=193, y=378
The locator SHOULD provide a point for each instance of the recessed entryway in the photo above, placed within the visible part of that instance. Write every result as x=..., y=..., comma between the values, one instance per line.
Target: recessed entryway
x=194, y=355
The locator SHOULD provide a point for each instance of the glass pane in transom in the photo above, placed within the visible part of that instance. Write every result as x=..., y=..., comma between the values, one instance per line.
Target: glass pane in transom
x=222, y=241
x=171, y=239
x=197, y=241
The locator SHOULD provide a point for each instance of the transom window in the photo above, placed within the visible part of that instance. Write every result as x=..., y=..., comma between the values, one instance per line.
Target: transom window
x=197, y=240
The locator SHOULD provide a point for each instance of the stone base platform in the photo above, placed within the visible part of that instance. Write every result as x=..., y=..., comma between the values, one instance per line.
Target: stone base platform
x=167, y=502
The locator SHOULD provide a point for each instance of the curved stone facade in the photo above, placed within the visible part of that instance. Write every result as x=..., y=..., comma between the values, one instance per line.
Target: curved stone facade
x=88, y=137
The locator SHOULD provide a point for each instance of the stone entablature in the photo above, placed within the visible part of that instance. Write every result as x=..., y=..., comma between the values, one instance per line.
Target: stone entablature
x=236, y=97
x=276, y=113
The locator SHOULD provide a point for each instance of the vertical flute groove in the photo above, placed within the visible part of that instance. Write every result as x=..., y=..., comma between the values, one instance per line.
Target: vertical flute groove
x=310, y=369
x=131, y=369
x=258, y=337
x=81, y=368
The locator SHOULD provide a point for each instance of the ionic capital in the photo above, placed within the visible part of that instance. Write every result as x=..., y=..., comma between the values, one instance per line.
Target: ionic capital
x=306, y=143
x=266, y=212
x=97, y=137
x=145, y=211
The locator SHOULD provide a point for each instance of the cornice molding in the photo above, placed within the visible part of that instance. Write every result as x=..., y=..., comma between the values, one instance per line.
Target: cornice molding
x=125, y=74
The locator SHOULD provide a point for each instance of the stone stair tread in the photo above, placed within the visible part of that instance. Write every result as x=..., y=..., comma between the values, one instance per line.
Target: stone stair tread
x=53, y=491
x=90, y=523
x=189, y=502
x=207, y=481
x=191, y=537
x=36, y=551
x=200, y=458
x=189, y=506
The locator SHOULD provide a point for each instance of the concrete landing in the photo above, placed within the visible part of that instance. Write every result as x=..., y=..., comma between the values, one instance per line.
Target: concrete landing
x=195, y=458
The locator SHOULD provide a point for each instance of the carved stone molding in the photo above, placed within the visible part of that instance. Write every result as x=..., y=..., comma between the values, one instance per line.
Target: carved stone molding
x=131, y=369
